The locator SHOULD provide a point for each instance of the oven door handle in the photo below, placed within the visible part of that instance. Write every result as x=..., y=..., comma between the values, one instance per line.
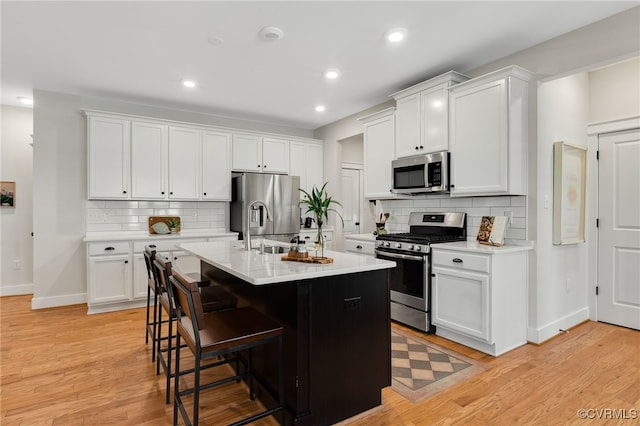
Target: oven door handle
x=400, y=256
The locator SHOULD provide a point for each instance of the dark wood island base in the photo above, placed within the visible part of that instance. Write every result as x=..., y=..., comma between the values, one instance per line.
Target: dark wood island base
x=337, y=341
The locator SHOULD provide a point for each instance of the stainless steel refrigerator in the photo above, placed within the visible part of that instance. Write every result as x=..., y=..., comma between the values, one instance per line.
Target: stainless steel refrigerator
x=281, y=196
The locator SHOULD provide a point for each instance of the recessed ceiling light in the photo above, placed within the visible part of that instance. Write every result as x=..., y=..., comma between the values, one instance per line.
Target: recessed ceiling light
x=332, y=74
x=25, y=101
x=396, y=35
x=271, y=33
x=320, y=108
x=189, y=83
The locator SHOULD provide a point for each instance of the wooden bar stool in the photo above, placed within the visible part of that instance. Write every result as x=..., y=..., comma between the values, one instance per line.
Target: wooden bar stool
x=214, y=298
x=216, y=336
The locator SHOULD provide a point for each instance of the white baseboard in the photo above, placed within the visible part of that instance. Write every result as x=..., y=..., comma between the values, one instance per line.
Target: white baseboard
x=16, y=290
x=55, y=301
x=546, y=332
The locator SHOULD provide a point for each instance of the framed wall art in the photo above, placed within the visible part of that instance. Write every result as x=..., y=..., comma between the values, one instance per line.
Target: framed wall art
x=569, y=175
x=7, y=194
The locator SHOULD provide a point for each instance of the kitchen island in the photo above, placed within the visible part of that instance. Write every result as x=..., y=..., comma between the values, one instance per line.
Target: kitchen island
x=336, y=320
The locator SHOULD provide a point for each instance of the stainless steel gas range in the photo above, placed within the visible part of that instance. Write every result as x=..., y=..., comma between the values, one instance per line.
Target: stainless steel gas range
x=410, y=281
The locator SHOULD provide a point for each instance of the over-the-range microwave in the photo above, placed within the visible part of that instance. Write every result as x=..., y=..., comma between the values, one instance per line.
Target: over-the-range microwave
x=421, y=173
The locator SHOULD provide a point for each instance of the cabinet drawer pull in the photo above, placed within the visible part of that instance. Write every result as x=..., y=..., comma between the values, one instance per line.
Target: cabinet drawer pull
x=359, y=247
x=109, y=248
x=457, y=260
x=152, y=245
x=307, y=237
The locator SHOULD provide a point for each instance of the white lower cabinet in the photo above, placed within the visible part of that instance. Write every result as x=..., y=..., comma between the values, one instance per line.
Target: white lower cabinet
x=117, y=273
x=359, y=246
x=480, y=299
x=109, y=273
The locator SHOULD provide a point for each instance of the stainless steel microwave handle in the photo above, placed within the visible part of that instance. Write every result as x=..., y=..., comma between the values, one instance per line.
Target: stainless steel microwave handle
x=400, y=256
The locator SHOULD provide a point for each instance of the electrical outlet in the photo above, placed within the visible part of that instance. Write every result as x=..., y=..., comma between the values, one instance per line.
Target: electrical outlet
x=17, y=264
x=96, y=216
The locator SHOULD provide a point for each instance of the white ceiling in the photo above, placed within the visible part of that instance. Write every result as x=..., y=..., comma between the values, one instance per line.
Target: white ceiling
x=140, y=51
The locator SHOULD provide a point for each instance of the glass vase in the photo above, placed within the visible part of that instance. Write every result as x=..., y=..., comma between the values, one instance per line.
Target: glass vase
x=319, y=243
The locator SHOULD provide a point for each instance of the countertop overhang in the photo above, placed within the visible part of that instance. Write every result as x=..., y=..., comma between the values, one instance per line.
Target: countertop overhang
x=260, y=269
x=144, y=235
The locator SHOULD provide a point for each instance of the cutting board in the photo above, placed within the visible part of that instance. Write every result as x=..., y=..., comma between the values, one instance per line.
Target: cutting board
x=308, y=259
x=165, y=219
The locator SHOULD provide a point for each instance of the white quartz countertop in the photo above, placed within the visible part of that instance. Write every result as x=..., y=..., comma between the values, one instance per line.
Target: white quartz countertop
x=267, y=268
x=360, y=237
x=144, y=235
x=474, y=246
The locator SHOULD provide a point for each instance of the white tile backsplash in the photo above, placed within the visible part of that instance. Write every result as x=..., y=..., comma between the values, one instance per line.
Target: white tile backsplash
x=134, y=215
x=475, y=207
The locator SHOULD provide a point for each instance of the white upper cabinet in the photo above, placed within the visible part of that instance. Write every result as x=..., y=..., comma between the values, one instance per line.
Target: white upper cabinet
x=247, y=153
x=379, y=135
x=216, y=166
x=275, y=155
x=422, y=116
x=488, y=140
x=148, y=161
x=306, y=161
x=257, y=154
x=141, y=158
x=184, y=163
x=108, y=152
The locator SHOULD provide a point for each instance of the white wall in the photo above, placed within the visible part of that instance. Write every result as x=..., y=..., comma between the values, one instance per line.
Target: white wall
x=612, y=90
x=59, y=187
x=602, y=43
x=16, y=223
x=559, y=297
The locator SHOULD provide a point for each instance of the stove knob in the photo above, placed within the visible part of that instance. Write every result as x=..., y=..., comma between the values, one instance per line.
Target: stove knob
x=398, y=245
x=387, y=244
x=418, y=248
x=411, y=246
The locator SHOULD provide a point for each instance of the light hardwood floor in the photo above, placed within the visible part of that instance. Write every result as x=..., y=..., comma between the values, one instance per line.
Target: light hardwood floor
x=62, y=367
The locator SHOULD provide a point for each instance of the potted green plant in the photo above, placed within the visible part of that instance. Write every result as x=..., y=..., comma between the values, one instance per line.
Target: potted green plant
x=319, y=203
x=173, y=224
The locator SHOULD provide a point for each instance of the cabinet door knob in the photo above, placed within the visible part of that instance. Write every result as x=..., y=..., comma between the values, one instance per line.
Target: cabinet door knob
x=452, y=186
x=457, y=260
x=126, y=261
x=259, y=166
x=171, y=193
x=205, y=193
x=421, y=147
x=265, y=166
x=416, y=148
x=124, y=192
x=162, y=192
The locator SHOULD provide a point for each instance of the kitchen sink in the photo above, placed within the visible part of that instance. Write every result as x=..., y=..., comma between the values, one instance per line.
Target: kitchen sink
x=274, y=249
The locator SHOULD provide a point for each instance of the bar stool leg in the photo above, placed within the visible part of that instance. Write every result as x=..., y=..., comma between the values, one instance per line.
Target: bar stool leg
x=176, y=389
x=281, y=379
x=252, y=394
x=158, y=340
x=169, y=349
x=196, y=390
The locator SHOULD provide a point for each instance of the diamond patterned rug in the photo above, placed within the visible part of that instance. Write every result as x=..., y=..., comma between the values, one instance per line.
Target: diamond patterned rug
x=420, y=369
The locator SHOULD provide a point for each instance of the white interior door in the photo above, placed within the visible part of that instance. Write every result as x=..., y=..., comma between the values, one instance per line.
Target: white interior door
x=351, y=200
x=619, y=229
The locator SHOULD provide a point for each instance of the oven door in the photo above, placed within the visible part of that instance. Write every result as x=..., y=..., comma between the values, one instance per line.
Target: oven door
x=409, y=279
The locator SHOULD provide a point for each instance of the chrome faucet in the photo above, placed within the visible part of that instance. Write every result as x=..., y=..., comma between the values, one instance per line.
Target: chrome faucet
x=247, y=234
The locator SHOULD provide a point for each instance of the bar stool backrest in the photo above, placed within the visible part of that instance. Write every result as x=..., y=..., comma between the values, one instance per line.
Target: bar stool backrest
x=149, y=257
x=188, y=301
